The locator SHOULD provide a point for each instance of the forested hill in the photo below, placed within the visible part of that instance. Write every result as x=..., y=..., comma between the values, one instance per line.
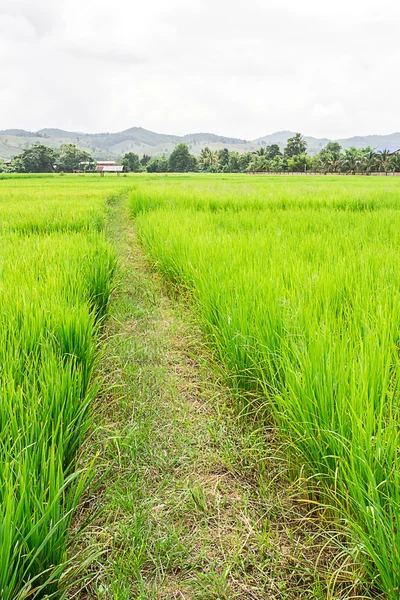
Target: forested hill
x=143, y=141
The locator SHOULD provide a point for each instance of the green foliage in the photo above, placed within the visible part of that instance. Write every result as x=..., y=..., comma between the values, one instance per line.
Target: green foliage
x=333, y=148
x=269, y=152
x=181, y=161
x=295, y=146
x=259, y=164
x=395, y=162
x=351, y=160
x=384, y=161
x=158, y=164
x=209, y=160
x=277, y=163
x=223, y=158
x=223, y=161
x=300, y=163
x=234, y=164
x=369, y=160
x=71, y=158
x=244, y=161
x=272, y=151
x=38, y=159
x=145, y=160
x=354, y=160
x=131, y=162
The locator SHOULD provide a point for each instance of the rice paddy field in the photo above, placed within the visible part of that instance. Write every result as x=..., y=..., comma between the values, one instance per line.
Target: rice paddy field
x=296, y=285
x=56, y=270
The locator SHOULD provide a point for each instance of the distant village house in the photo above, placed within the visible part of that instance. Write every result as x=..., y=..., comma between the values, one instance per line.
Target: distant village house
x=106, y=166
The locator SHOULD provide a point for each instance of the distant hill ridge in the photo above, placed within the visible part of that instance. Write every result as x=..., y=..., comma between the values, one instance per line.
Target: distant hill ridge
x=142, y=141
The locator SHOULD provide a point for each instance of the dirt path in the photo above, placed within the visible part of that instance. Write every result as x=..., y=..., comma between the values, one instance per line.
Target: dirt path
x=190, y=509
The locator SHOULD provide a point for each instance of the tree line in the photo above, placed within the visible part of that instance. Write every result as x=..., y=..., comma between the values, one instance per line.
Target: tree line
x=294, y=158
x=42, y=159
x=331, y=159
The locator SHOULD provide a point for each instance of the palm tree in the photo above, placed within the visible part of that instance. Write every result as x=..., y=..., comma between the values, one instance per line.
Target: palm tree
x=320, y=165
x=368, y=160
x=384, y=160
x=259, y=164
x=261, y=152
x=351, y=160
x=395, y=162
x=295, y=145
x=330, y=163
x=208, y=159
x=334, y=164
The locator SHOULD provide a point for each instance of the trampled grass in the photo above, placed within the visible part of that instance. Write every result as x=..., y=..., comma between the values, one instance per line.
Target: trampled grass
x=56, y=272
x=297, y=283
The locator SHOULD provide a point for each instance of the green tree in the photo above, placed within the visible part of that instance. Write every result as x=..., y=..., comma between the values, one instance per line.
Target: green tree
x=299, y=163
x=318, y=165
x=181, y=161
x=334, y=162
x=233, y=165
x=383, y=161
x=395, y=162
x=272, y=150
x=209, y=160
x=244, y=161
x=259, y=164
x=328, y=159
x=131, y=162
x=145, y=160
x=269, y=152
x=276, y=163
x=194, y=164
x=368, y=160
x=17, y=165
x=158, y=164
x=326, y=162
x=351, y=160
x=71, y=158
x=223, y=158
x=295, y=146
x=332, y=148
x=37, y=159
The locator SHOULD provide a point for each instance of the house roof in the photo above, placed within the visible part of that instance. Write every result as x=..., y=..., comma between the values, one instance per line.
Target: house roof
x=110, y=168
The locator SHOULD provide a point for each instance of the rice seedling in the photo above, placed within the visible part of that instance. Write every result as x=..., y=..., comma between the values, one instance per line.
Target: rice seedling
x=296, y=283
x=56, y=270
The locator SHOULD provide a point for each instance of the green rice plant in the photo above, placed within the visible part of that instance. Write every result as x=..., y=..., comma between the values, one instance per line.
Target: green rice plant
x=56, y=273
x=296, y=283
x=46, y=204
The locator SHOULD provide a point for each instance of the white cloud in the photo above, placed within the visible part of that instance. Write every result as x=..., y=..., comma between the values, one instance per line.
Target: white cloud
x=322, y=111
x=240, y=69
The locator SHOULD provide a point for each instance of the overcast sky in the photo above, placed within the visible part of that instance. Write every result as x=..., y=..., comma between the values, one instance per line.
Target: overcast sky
x=238, y=68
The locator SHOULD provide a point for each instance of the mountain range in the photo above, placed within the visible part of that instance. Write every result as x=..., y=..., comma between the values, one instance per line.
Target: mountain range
x=143, y=141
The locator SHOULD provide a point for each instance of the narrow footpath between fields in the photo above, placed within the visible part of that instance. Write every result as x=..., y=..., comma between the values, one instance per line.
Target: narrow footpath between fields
x=190, y=512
